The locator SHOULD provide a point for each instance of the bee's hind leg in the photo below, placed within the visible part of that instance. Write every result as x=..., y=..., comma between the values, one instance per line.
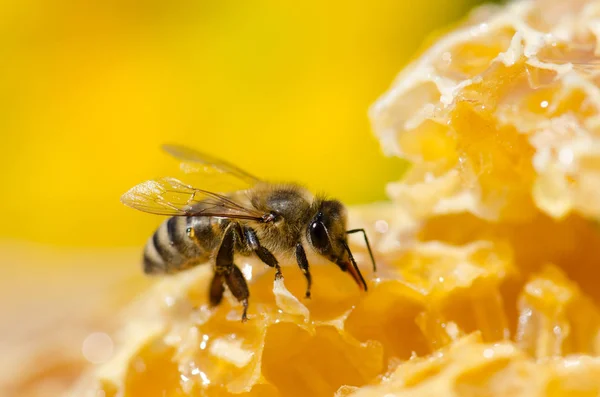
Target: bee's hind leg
x=217, y=288
x=227, y=272
x=239, y=288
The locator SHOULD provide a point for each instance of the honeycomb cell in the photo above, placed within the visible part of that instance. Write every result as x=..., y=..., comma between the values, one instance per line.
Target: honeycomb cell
x=487, y=252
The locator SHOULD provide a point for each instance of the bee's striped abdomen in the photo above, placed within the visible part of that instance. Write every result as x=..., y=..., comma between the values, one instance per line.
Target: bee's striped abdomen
x=172, y=248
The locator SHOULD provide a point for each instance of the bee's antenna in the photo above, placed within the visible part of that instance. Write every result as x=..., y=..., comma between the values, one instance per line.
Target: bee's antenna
x=362, y=280
x=368, y=245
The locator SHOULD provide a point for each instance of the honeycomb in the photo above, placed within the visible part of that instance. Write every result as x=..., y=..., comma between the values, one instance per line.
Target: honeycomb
x=487, y=252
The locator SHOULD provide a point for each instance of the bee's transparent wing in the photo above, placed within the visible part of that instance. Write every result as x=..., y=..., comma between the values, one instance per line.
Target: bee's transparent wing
x=210, y=167
x=169, y=196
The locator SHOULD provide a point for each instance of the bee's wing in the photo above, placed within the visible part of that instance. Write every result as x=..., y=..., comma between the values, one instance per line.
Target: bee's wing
x=193, y=161
x=169, y=196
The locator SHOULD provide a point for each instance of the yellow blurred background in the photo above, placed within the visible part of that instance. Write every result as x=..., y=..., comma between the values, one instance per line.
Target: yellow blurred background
x=89, y=90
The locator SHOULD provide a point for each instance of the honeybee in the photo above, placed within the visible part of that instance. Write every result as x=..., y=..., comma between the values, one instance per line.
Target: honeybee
x=263, y=219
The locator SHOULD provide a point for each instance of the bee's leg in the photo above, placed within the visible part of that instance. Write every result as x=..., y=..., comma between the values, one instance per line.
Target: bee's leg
x=227, y=271
x=239, y=288
x=303, y=264
x=263, y=254
x=217, y=288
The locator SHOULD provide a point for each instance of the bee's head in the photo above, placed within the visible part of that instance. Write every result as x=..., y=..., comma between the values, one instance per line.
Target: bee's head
x=327, y=235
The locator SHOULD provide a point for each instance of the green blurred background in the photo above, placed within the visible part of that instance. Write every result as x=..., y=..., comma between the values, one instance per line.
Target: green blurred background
x=89, y=90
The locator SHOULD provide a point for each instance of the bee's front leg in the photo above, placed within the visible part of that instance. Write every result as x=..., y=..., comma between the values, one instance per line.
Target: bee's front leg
x=303, y=264
x=263, y=254
x=226, y=272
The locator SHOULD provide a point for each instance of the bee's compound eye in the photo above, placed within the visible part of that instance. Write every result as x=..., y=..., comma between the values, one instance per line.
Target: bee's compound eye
x=318, y=236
